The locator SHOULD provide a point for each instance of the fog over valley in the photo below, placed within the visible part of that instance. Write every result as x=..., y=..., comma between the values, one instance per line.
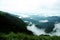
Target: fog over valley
x=41, y=16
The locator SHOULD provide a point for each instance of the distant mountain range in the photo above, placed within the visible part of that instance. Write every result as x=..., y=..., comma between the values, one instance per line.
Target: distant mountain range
x=35, y=19
x=43, y=22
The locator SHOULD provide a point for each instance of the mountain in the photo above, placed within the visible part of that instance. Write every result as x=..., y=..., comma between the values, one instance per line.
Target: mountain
x=10, y=22
x=40, y=22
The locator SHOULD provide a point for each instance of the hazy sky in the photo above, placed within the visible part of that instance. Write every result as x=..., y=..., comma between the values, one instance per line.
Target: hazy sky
x=41, y=7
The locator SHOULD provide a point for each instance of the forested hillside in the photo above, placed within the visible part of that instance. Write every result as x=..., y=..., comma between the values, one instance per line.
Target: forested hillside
x=14, y=28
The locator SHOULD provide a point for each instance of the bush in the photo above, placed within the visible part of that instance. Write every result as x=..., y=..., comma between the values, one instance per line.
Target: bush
x=23, y=36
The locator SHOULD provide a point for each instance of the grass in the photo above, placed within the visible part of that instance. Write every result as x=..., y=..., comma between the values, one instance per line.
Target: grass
x=23, y=36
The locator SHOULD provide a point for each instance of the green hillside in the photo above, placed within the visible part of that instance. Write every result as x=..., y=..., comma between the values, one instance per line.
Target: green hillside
x=22, y=36
x=14, y=28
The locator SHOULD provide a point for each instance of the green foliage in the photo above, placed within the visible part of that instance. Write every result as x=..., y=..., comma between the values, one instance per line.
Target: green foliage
x=23, y=36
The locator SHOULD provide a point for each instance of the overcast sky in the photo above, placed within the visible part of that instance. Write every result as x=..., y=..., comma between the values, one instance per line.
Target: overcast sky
x=41, y=7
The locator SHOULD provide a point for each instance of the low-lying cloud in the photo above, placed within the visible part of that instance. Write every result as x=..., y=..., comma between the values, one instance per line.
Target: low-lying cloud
x=38, y=31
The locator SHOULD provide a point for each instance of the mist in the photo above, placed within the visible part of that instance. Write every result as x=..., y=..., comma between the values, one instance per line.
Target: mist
x=38, y=32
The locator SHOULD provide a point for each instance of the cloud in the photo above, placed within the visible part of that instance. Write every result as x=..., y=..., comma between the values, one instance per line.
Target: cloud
x=43, y=21
x=57, y=28
x=35, y=30
x=40, y=7
x=38, y=31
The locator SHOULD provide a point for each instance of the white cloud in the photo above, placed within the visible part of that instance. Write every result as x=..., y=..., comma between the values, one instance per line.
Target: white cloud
x=41, y=7
x=57, y=28
x=35, y=30
x=43, y=21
